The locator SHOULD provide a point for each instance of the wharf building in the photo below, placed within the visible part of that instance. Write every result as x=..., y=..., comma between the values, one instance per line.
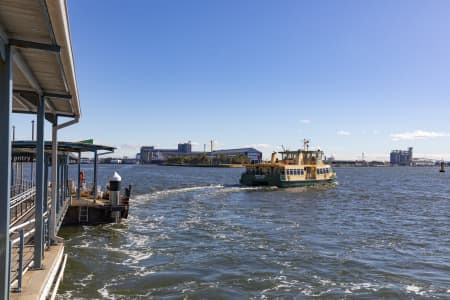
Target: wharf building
x=402, y=157
x=150, y=154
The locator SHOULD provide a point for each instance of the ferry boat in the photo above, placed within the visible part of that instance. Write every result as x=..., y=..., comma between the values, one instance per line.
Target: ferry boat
x=295, y=169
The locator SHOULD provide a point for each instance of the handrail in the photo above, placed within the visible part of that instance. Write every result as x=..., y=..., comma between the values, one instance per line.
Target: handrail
x=25, y=235
x=12, y=229
x=15, y=228
x=23, y=197
x=19, y=188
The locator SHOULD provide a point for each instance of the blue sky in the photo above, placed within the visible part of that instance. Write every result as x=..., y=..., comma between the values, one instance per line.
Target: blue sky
x=352, y=76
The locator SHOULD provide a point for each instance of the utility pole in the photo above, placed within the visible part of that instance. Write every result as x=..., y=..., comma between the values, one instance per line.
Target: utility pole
x=211, y=161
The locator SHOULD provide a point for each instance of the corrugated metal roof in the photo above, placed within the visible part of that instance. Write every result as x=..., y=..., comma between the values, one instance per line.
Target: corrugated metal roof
x=40, y=71
x=238, y=150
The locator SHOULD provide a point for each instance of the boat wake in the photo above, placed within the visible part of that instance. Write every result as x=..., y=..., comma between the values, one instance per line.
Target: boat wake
x=215, y=188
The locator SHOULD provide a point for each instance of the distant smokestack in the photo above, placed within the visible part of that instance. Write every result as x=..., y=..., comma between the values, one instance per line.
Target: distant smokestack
x=212, y=146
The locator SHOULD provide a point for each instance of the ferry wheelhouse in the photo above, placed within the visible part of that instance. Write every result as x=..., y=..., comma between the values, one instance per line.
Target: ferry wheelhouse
x=295, y=168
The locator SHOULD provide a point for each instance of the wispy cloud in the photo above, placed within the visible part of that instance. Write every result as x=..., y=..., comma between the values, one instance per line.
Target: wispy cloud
x=217, y=144
x=418, y=135
x=343, y=132
x=126, y=150
x=260, y=146
x=125, y=147
x=305, y=121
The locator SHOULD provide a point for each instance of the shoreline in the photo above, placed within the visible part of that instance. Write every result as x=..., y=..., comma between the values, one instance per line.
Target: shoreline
x=204, y=166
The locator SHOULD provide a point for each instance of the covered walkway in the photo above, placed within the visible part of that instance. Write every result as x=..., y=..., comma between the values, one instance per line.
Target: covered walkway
x=37, y=77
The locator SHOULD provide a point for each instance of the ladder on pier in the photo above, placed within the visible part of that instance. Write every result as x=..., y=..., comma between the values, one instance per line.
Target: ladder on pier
x=83, y=214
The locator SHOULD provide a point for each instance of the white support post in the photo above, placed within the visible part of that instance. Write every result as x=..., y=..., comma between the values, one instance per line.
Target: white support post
x=53, y=237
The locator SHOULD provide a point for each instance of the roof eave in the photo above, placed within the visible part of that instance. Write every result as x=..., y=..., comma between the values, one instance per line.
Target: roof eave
x=57, y=11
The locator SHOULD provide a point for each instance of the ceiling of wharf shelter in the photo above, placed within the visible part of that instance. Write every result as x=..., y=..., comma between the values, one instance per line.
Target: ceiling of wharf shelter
x=40, y=72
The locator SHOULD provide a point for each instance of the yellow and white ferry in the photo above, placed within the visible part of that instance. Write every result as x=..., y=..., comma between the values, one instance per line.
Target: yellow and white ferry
x=296, y=168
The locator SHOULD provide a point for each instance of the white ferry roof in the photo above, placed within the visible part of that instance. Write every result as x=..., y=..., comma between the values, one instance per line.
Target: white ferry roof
x=43, y=63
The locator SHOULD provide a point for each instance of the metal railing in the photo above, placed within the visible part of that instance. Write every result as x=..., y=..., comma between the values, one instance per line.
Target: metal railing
x=18, y=254
x=20, y=188
x=22, y=203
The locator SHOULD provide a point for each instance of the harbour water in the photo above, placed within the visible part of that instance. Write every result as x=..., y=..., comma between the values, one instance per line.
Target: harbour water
x=195, y=233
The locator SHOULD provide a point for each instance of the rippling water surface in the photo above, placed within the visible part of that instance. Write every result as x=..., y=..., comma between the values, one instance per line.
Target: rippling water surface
x=195, y=233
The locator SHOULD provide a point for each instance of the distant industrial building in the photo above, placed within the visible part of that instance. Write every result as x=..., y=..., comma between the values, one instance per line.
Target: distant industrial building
x=423, y=162
x=402, y=157
x=150, y=154
x=254, y=155
x=185, y=147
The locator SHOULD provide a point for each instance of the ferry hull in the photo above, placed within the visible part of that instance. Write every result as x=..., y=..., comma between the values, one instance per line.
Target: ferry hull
x=268, y=180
